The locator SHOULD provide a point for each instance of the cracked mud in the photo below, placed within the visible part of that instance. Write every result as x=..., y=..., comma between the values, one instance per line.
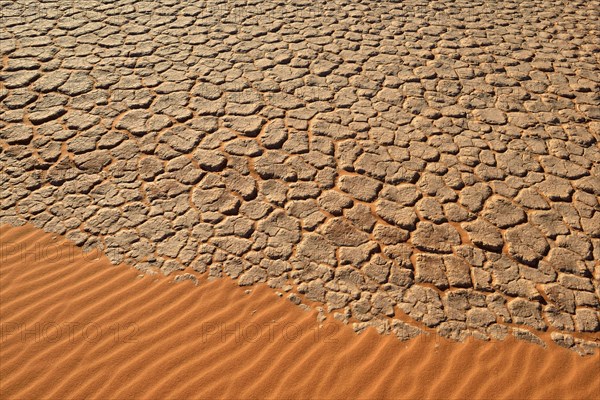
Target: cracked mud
x=409, y=166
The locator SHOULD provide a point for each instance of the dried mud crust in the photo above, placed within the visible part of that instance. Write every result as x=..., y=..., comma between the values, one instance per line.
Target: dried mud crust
x=410, y=166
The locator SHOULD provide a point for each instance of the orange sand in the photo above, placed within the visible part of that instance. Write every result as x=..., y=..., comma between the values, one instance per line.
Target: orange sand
x=75, y=327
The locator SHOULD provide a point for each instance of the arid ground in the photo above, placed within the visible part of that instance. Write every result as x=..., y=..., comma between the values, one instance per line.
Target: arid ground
x=420, y=173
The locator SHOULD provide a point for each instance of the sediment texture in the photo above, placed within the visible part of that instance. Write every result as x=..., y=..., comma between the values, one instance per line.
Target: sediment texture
x=412, y=166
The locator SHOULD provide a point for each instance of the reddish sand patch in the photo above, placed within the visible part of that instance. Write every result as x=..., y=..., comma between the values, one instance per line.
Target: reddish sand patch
x=74, y=326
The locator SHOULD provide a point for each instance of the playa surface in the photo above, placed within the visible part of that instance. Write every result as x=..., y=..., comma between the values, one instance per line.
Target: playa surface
x=423, y=171
x=74, y=326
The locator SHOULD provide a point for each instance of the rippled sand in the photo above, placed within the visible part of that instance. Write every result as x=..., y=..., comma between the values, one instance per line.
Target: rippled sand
x=74, y=326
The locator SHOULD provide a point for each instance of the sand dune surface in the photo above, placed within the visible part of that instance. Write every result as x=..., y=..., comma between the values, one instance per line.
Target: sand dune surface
x=74, y=326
